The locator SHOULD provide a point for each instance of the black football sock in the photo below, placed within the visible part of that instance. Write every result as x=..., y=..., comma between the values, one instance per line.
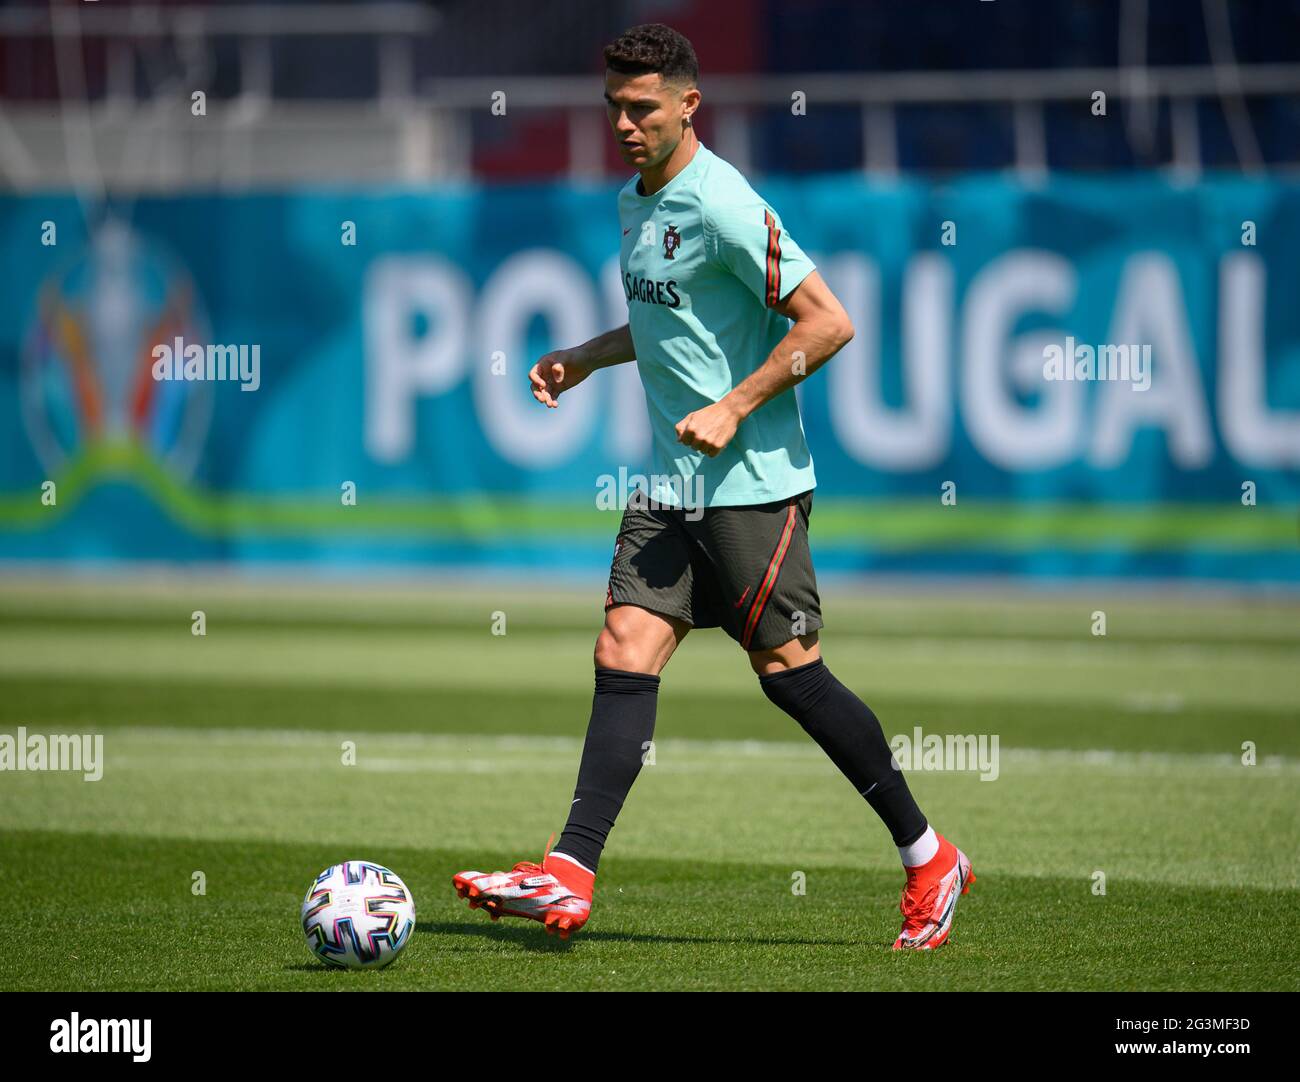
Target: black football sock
x=621, y=727
x=846, y=729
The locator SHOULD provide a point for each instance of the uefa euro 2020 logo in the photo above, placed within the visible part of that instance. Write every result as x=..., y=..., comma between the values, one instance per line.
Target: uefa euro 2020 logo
x=87, y=386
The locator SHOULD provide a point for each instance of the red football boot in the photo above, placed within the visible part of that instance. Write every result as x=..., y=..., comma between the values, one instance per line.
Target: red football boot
x=556, y=892
x=929, y=900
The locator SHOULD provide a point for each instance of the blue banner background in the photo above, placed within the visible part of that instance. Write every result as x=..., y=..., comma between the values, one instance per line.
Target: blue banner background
x=377, y=369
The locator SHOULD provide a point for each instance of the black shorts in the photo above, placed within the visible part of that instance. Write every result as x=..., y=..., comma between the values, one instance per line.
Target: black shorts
x=745, y=569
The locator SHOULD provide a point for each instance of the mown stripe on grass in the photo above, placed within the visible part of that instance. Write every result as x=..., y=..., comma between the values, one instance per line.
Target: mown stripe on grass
x=1181, y=820
x=1144, y=722
x=519, y=751
x=974, y=669
x=470, y=622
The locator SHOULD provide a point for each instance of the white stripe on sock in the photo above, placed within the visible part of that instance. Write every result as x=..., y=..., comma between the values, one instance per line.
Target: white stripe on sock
x=921, y=851
x=565, y=856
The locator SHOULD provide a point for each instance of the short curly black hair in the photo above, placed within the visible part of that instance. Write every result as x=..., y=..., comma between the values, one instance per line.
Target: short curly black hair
x=654, y=47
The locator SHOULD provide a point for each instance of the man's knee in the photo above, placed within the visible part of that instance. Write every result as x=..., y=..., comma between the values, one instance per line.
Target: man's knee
x=637, y=640
x=613, y=652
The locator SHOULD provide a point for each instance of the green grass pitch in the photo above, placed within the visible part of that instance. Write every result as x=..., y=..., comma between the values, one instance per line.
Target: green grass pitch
x=1119, y=755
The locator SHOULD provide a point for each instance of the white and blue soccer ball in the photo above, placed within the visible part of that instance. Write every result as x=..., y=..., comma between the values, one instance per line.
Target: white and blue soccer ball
x=358, y=915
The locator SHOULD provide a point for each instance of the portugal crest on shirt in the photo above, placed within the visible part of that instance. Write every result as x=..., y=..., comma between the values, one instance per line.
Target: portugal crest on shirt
x=672, y=241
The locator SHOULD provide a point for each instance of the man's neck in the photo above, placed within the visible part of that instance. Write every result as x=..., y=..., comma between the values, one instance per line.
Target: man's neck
x=655, y=178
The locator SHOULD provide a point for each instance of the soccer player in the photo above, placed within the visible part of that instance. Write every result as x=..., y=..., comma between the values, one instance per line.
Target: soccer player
x=712, y=280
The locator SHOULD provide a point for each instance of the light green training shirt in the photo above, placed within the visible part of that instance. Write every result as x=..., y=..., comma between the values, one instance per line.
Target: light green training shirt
x=703, y=261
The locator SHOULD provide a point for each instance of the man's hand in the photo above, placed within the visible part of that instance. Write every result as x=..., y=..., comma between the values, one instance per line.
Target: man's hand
x=555, y=373
x=710, y=429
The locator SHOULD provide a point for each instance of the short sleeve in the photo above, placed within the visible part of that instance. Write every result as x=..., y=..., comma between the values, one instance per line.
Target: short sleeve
x=748, y=240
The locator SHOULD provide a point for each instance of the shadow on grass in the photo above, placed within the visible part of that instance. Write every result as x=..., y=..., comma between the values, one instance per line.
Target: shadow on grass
x=535, y=939
x=339, y=972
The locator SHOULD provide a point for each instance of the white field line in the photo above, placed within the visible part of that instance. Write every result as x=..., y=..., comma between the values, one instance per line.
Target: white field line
x=450, y=753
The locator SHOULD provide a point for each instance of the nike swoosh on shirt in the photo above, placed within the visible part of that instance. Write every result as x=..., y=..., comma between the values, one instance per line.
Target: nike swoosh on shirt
x=627, y=231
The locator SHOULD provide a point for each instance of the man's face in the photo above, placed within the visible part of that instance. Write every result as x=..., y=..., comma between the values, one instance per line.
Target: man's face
x=646, y=114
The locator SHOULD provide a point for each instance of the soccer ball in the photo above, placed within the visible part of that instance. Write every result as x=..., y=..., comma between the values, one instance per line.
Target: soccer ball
x=358, y=915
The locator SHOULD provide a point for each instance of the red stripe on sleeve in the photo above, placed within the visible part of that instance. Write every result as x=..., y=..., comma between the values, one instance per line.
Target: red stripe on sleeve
x=773, y=289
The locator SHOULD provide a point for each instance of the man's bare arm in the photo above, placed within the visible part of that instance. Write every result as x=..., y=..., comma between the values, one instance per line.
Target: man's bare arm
x=821, y=329
x=612, y=347
x=564, y=369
